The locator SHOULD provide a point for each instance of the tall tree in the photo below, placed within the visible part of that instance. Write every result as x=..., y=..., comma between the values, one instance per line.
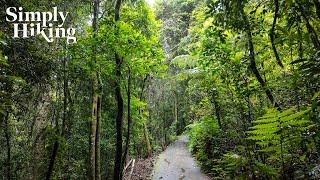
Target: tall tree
x=96, y=103
x=119, y=116
x=129, y=121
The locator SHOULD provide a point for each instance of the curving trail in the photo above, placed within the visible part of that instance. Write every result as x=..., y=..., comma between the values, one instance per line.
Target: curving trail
x=176, y=163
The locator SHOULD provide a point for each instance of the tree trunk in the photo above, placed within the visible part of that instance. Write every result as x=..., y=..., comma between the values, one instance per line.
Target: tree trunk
x=146, y=139
x=145, y=128
x=124, y=158
x=52, y=159
x=252, y=59
x=272, y=33
x=93, y=127
x=119, y=100
x=97, y=149
x=94, y=171
x=117, y=166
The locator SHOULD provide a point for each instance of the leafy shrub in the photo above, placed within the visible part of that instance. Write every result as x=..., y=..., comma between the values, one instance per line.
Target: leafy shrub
x=279, y=145
x=205, y=142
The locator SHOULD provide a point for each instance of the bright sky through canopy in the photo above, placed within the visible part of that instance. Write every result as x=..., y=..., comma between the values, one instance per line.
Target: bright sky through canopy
x=151, y=2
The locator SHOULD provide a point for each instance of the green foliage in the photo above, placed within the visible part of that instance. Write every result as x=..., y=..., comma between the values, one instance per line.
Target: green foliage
x=310, y=68
x=283, y=137
x=205, y=140
x=47, y=89
x=189, y=64
x=233, y=165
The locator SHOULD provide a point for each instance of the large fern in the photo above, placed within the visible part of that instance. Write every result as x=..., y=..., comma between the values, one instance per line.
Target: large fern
x=280, y=136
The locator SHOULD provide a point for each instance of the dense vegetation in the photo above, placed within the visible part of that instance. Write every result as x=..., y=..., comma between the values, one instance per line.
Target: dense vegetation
x=249, y=72
x=241, y=77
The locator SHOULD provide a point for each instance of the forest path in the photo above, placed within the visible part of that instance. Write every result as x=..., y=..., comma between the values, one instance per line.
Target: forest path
x=176, y=163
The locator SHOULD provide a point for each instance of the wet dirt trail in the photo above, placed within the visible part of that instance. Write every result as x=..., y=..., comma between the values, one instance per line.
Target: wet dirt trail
x=176, y=163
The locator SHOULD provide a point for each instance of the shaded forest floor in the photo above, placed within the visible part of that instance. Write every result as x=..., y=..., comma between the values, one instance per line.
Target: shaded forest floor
x=142, y=169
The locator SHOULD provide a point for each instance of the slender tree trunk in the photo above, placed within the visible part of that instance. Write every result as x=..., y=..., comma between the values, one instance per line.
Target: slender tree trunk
x=7, y=136
x=93, y=129
x=124, y=158
x=253, y=65
x=145, y=128
x=119, y=117
x=97, y=149
x=146, y=139
x=117, y=165
x=272, y=33
x=94, y=171
x=52, y=159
